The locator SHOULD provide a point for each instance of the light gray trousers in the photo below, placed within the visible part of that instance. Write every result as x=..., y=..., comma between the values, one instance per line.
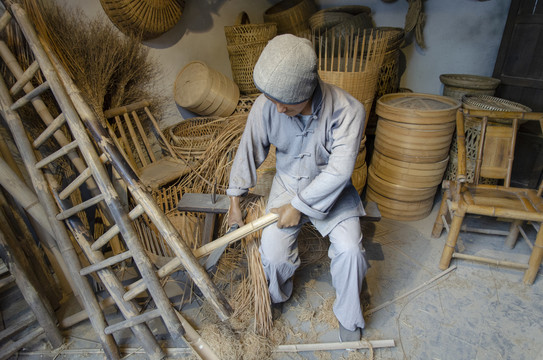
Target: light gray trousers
x=348, y=266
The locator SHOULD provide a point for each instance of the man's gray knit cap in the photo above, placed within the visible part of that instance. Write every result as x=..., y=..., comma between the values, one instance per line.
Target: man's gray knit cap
x=287, y=69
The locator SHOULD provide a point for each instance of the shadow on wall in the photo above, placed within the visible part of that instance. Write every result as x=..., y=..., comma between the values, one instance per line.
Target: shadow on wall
x=196, y=18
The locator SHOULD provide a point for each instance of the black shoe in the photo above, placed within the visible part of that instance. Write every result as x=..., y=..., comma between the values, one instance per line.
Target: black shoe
x=277, y=310
x=348, y=335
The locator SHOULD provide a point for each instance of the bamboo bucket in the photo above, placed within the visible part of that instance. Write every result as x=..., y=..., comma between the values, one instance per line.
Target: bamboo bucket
x=205, y=91
x=412, y=141
x=245, y=43
x=291, y=16
x=149, y=19
x=458, y=85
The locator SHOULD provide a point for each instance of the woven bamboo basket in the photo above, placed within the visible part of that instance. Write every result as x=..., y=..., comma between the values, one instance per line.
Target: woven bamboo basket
x=389, y=72
x=149, y=19
x=341, y=18
x=245, y=104
x=245, y=43
x=458, y=85
x=291, y=16
x=205, y=91
x=354, y=67
x=189, y=225
x=190, y=138
x=360, y=172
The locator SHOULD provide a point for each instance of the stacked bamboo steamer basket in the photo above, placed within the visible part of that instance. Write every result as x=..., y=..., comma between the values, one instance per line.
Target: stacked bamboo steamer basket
x=245, y=43
x=412, y=141
x=205, y=91
x=291, y=16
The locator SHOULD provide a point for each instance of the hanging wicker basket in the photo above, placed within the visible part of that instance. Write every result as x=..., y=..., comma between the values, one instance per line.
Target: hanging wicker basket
x=245, y=43
x=146, y=18
x=291, y=16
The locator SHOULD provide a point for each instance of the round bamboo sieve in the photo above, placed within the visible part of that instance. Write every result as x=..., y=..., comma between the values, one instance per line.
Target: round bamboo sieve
x=205, y=91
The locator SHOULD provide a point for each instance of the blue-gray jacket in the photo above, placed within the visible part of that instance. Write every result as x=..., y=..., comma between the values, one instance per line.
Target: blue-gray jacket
x=314, y=163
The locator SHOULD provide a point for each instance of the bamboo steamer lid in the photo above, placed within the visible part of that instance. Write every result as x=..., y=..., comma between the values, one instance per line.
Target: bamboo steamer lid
x=398, y=192
x=417, y=108
x=205, y=91
x=400, y=210
x=408, y=174
x=192, y=85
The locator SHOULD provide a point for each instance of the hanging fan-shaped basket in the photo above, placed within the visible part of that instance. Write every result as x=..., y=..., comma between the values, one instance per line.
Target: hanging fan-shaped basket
x=148, y=18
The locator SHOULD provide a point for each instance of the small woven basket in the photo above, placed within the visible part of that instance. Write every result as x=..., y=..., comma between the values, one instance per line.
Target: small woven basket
x=458, y=85
x=190, y=138
x=291, y=16
x=149, y=19
x=245, y=43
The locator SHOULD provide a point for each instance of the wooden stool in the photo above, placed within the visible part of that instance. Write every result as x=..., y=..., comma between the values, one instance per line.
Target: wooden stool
x=211, y=205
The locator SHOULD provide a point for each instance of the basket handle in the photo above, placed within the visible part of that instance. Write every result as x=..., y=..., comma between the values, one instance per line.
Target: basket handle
x=243, y=19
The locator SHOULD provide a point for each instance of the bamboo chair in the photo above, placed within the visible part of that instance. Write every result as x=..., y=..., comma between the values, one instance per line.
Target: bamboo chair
x=494, y=160
x=133, y=142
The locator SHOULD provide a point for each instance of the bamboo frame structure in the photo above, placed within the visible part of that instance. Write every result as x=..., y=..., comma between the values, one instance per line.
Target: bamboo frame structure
x=41, y=308
x=93, y=169
x=502, y=201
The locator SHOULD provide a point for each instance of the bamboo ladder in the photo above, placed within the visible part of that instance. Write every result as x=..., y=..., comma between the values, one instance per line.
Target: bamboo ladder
x=56, y=205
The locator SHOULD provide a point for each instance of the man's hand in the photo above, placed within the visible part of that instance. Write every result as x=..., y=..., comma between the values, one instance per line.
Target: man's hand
x=288, y=216
x=234, y=213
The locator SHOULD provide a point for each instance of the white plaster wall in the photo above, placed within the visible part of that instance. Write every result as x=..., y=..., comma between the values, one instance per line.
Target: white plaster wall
x=462, y=36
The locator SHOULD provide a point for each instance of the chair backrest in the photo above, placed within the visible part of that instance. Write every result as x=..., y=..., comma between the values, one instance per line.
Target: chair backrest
x=130, y=136
x=496, y=148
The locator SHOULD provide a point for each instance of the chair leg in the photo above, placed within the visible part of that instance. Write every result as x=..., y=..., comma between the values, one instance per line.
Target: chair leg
x=535, y=259
x=511, y=239
x=454, y=231
x=438, y=224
